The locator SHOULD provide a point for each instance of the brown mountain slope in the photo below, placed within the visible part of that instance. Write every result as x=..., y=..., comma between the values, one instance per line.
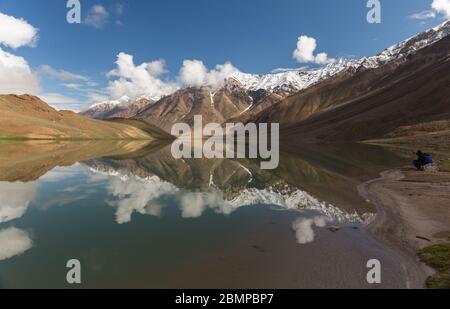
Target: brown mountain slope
x=154, y=131
x=27, y=116
x=227, y=102
x=233, y=101
x=230, y=101
x=181, y=107
x=370, y=104
x=117, y=111
x=29, y=160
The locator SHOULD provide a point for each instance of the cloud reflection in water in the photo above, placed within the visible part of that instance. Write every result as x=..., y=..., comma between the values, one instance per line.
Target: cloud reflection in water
x=151, y=195
x=13, y=242
x=15, y=198
x=303, y=228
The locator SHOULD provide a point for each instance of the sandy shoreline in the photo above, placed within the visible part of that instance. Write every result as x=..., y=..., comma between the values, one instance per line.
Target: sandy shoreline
x=413, y=211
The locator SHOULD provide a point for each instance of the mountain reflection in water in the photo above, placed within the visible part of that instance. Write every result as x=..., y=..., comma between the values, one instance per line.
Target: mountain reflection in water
x=95, y=201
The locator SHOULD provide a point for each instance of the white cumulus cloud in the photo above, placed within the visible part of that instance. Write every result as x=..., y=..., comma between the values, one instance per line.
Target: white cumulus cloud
x=304, y=52
x=97, y=16
x=322, y=58
x=15, y=32
x=194, y=73
x=16, y=75
x=442, y=7
x=437, y=7
x=136, y=80
x=145, y=79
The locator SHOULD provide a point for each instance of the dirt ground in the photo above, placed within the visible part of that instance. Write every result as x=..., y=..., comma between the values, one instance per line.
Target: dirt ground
x=413, y=212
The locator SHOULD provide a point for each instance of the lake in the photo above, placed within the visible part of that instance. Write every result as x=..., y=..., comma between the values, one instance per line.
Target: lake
x=137, y=218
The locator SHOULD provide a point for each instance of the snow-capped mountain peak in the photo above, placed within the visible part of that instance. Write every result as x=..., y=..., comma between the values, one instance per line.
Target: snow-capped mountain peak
x=291, y=81
x=296, y=80
x=113, y=103
x=408, y=46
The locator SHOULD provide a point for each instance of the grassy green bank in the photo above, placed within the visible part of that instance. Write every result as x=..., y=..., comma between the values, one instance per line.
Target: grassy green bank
x=438, y=257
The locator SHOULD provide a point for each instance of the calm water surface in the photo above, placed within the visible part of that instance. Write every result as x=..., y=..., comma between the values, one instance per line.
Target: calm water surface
x=145, y=220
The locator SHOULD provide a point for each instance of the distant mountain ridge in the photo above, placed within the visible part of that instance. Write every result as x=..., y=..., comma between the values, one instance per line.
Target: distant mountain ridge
x=410, y=91
x=251, y=97
x=124, y=107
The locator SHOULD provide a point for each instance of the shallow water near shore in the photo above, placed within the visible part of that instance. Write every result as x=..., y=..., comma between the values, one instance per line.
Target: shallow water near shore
x=137, y=218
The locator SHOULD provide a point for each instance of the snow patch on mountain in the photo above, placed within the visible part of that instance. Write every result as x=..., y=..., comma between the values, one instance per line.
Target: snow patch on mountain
x=414, y=43
x=299, y=79
x=288, y=81
x=405, y=48
x=99, y=110
x=138, y=194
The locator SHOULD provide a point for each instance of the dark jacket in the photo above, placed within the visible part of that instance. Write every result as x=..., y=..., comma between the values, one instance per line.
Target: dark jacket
x=425, y=159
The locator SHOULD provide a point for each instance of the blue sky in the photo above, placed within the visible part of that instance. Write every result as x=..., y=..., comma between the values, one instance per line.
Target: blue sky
x=256, y=36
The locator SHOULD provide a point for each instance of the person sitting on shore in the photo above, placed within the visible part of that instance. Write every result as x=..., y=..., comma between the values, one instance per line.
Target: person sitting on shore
x=423, y=159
